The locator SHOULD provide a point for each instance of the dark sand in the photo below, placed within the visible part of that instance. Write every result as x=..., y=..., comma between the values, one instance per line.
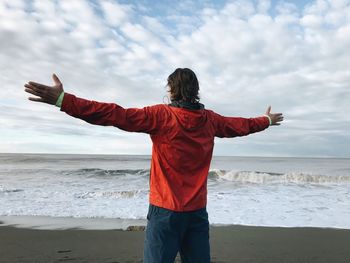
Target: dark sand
x=228, y=244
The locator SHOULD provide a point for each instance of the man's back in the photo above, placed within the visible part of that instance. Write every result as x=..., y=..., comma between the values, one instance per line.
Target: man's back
x=181, y=155
x=182, y=150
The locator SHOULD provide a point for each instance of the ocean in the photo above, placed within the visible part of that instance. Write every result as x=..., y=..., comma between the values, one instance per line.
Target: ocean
x=259, y=191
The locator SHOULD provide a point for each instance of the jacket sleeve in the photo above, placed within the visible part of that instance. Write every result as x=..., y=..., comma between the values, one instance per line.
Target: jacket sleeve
x=110, y=114
x=237, y=126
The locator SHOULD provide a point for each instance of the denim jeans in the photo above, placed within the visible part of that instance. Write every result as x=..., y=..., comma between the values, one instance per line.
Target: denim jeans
x=169, y=232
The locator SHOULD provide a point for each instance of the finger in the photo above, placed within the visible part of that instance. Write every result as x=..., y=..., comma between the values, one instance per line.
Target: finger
x=31, y=91
x=276, y=115
x=33, y=88
x=36, y=99
x=38, y=85
x=268, y=110
x=29, y=86
x=56, y=80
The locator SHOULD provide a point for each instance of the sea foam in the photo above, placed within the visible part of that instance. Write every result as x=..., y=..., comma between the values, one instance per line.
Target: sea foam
x=250, y=191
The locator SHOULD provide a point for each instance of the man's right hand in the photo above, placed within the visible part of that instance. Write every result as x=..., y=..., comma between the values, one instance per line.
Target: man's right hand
x=275, y=118
x=46, y=94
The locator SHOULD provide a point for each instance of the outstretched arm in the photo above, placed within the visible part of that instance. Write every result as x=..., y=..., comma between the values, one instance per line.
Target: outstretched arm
x=99, y=113
x=237, y=126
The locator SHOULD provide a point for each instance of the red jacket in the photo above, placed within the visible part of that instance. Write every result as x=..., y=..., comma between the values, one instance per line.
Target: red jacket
x=183, y=142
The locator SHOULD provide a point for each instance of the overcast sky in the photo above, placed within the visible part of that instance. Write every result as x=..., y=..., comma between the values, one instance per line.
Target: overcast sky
x=247, y=55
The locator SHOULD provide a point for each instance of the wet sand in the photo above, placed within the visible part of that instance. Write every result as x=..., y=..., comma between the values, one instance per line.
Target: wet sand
x=228, y=244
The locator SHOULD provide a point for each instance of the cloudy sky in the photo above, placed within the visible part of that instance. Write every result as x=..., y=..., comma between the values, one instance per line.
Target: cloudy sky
x=247, y=55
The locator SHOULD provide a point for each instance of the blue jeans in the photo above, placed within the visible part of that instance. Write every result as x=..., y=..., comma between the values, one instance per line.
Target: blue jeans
x=169, y=232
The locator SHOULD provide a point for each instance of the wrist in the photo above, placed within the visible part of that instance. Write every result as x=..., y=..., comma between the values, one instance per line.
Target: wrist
x=270, y=121
x=60, y=99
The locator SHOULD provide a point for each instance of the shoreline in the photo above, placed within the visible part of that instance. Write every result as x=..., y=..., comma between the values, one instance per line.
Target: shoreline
x=66, y=223
x=228, y=244
x=96, y=223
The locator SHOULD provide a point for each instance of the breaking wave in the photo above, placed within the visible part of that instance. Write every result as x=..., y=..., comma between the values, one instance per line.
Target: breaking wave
x=254, y=177
x=106, y=172
x=13, y=190
x=113, y=194
x=257, y=177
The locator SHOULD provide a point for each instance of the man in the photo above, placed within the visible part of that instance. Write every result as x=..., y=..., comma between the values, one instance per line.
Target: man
x=183, y=139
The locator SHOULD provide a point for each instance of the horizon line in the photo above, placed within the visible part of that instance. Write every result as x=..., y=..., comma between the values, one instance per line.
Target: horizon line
x=149, y=155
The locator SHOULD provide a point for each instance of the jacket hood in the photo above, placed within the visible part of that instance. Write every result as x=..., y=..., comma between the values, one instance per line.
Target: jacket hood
x=186, y=105
x=190, y=116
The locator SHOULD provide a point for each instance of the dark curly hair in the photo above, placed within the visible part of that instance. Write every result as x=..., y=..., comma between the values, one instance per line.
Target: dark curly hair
x=183, y=85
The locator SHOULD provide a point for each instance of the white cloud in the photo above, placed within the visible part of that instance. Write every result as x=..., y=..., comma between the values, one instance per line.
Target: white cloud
x=245, y=58
x=286, y=8
x=15, y=4
x=116, y=13
x=263, y=6
x=312, y=21
x=317, y=7
x=155, y=26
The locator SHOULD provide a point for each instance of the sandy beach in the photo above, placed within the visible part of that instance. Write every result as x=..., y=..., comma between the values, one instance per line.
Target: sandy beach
x=228, y=244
